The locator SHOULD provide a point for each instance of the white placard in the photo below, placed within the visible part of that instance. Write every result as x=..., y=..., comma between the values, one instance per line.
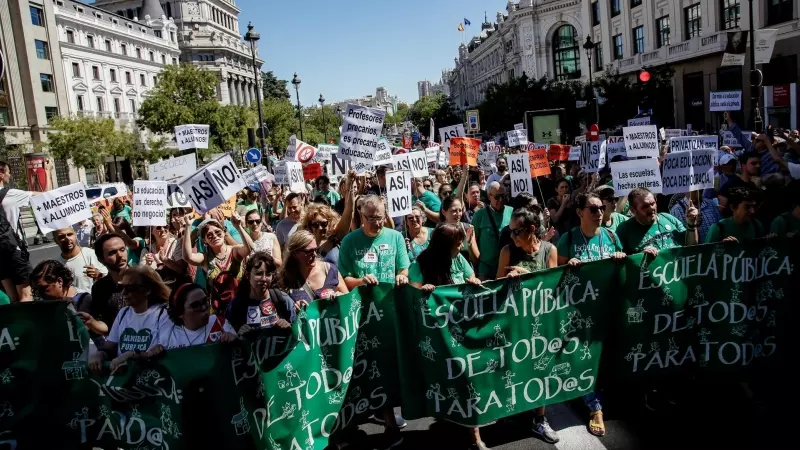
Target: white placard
x=213, y=184
x=291, y=149
x=361, y=130
x=191, y=136
x=400, y=162
x=639, y=121
x=487, y=160
x=520, y=169
x=670, y=133
x=290, y=173
x=446, y=133
x=61, y=208
x=419, y=164
x=641, y=141
x=149, y=203
x=636, y=173
x=575, y=153
x=687, y=143
x=173, y=169
x=615, y=146
x=432, y=154
x=255, y=175
x=519, y=126
x=765, y=44
x=729, y=139
x=725, y=101
x=175, y=197
x=517, y=137
x=593, y=156
x=383, y=157
x=324, y=152
x=339, y=168
x=398, y=193
x=688, y=171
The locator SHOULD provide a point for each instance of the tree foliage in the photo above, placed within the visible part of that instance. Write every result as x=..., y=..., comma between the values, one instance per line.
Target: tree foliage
x=399, y=116
x=317, y=121
x=439, y=107
x=274, y=88
x=280, y=119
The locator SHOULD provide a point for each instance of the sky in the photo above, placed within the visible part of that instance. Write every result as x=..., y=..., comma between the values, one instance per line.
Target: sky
x=347, y=49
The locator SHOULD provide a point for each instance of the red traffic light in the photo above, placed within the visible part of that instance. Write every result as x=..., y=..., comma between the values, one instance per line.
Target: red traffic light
x=644, y=76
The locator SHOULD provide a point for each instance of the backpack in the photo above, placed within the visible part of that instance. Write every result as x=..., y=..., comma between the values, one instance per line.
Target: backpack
x=8, y=237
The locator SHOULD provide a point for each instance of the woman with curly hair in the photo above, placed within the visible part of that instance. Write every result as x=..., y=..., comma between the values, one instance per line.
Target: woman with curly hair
x=327, y=227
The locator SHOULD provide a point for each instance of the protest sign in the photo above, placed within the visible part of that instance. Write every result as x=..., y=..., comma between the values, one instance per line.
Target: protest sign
x=361, y=130
x=383, y=156
x=398, y=193
x=593, y=156
x=447, y=133
x=517, y=138
x=487, y=160
x=688, y=171
x=615, y=146
x=519, y=126
x=255, y=175
x=213, y=184
x=536, y=146
x=432, y=154
x=175, y=197
x=728, y=139
x=686, y=143
x=464, y=151
x=636, y=173
x=557, y=152
x=228, y=207
x=725, y=101
x=61, y=208
x=540, y=166
x=324, y=152
x=520, y=168
x=490, y=146
x=639, y=121
x=670, y=133
x=291, y=149
x=735, y=48
x=173, y=169
x=312, y=171
x=191, y=136
x=641, y=141
x=575, y=152
x=149, y=203
x=400, y=162
x=290, y=173
x=419, y=165
x=338, y=168
x=304, y=153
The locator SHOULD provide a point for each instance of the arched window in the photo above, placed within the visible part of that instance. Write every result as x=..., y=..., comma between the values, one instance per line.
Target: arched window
x=566, y=53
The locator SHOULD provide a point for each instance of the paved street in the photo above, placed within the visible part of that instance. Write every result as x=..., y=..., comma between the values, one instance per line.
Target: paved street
x=42, y=252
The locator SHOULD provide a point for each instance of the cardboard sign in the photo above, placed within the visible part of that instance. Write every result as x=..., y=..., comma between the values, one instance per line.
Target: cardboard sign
x=639, y=121
x=575, y=153
x=290, y=149
x=398, y=193
x=558, y=152
x=419, y=164
x=537, y=160
x=615, y=146
x=593, y=156
x=487, y=160
x=641, y=141
x=689, y=143
x=725, y=101
x=447, y=133
x=688, y=171
x=191, y=136
x=464, y=151
x=290, y=173
x=383, y=157
x=520, y=170
x=361, y=130
x=228, y=207
x=149, y=203
x=519, y=126
x=636, y=173
x=173, y=169
x=400, y=162
x=517, y=138
x=213, y=184
x=61, y=208
x=312, y=171
x=324, y=152
x=432, y=153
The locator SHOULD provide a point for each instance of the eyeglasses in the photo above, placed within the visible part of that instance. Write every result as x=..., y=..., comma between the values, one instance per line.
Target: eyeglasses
x=516, y=231
x=447, y=193
x=415, y=217
x=499, y=196
x=254, y=221
x=321, y=225
x=308, y=251
x=199, y=305
x=159, y=228
x=374, y=219
x=594, y=209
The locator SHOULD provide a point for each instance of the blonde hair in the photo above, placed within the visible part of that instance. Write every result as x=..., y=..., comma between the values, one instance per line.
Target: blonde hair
x=289, y=276
x=146, y=276
x=318, y=209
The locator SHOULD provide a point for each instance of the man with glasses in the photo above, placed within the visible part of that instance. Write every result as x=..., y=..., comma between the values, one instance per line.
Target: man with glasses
x=488, y=222
x=82, y=262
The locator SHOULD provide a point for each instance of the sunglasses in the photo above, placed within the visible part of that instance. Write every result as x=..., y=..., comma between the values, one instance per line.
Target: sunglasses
x=213, y=234
x=517, y=231
x=594, y=209
x=415, y=217
x=254, y=221
x=499, y=196
x=159, y=228
x=132, y=287
x=308, y=252
x=199, y=305
x=321, y=225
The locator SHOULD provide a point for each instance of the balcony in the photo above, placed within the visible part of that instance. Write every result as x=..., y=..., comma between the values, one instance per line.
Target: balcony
x=693, y=48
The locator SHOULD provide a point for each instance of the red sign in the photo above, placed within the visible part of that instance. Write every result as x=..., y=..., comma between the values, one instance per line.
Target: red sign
x=305, y=153
x=464, y=151
x=780, y=95
x=312, y=171
x=558, y=152
x=408, y=142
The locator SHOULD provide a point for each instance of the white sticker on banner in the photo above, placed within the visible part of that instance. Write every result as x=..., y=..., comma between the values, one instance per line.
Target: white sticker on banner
x=419, y=164
x=687, y=143
x=636, y=173
x=175, y=197
x=688, y=171
x=361, y=130
x=520, y=169
x=61, y=208
x=398, y=193
x=191, y=136
x=593, y=156
x=447, y=133
x=615, y=146
x=149, y=203
x=173, y=169
x=641, y=141
x=213, y=184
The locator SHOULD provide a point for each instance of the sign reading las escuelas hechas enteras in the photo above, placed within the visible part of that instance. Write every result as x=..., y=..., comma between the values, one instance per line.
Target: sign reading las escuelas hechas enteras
x=361, y=130
x=213, y=184
x=149, y=203
x=688, y=171
x=636, y=173
x=191, y=136
x=61, y=208
x=641, y=141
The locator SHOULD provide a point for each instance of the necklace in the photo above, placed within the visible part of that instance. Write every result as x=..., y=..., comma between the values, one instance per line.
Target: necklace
x=192, y=341
x=222, y=255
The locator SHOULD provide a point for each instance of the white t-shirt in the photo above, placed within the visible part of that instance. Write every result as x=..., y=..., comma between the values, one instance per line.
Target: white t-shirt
x=132, y=331
x=495, y=177
x=176, y=336
x=77, y=264
x=264, y=243
x=13, y=201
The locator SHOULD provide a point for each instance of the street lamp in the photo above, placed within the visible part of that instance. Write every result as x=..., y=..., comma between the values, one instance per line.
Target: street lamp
x=252, y=37
x=324, y=125
x=589, y=47
x=296, y=82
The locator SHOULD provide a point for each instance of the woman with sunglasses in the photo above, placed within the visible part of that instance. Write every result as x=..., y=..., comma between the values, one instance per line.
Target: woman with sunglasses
x=137, y=325
x=529, y=252
x=258, y=304
x=418, y=236
x=262, y=240
x=327, y=227
x=165, y=256
x=453, y=211
x=304, y=276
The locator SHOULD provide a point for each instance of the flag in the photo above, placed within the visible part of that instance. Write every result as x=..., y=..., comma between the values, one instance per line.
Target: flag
x=460, y=27
x=467, y=22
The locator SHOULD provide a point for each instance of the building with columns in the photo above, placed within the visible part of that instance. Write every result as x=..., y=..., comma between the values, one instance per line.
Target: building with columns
x=208, y=35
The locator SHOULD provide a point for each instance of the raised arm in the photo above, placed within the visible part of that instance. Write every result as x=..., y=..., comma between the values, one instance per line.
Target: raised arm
x=462, y=184
x=195, y=259
x=243, y=249
x=343, y=227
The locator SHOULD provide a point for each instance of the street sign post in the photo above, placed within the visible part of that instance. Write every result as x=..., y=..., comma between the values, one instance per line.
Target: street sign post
x=254, y=155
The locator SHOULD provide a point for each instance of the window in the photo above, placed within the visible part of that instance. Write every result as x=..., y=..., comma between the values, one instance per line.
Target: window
x=566, y=53
x=635, y=3
x=128, y=78
x=172, y=36
x=163, y=59
x=155, y=80
x=139, y=53
x=729, y=10
x=37, y=16
x=108, y=45
x=95, y=73
x=691, y=17
x=70, y=36
x=116, y=105
x=80, y=103
x=638, y=40
x=174, y=61
x=42, y=51
x=662, y=31
x=113, y=75
x=598, y=56
x=617, y=46
x=142, y=80
x=152, y=56
x=595, y=13
x=99, y=101
x=4, y=121
x=76, y=70
x=157, y=33
x=615, y=8
x=90, y=41
x=123, y=49
x=50, y=112
x=47, y=82
x=132, y=104
x=779, y=11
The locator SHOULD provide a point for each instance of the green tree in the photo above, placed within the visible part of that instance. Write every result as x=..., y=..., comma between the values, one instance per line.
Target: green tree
x=86, y=141
x=184, y=94
x=317, y=122
x=439, y=107
x=281, y=120
x=273, y=87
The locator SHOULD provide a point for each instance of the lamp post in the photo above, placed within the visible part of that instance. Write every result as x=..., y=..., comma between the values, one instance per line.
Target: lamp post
x=589, y=47
x=755, y=77
x=324, y=125
x=252, y=37
x=296, y=82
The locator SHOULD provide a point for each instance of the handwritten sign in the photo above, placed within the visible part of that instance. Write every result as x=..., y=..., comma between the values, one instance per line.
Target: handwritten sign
x=688, y=171
x=398, y=193
x=149, y=203
x=61, y=208
x=593, y=156
x=636, y=173
x=540, y=166
x=213, y=184
x=361, y=130
x=520, y=170
x=191, y=136
x=464, y=151
x=641, y=141
x=725, y=101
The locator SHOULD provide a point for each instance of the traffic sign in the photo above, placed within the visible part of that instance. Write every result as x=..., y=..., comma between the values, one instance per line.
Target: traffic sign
x=254, y=155
x=305, y=152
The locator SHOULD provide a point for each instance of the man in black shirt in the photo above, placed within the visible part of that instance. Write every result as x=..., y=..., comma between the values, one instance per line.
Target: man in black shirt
x=107, y=298
x=749, y=178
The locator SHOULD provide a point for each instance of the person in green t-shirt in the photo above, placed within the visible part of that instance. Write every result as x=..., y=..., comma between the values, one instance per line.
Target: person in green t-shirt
x=487, y=223
x=611, y=218
x=4, y=299
x=788, y=223
x=373, y=254
x=650, y=231
x=742, y=225
x=425, y=200
x=589, y=241
x=442, y=262
x=323, y=185
x=250, y=201
x=120, y=209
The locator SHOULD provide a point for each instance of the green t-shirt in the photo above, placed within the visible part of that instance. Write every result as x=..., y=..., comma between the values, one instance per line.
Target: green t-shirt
x=251, y=206
x=331, y=196
x=135, y=255
x=665, y=233
x=382, y=256
x=431, y=202
x=727, y=227
x=785, y=223
x=488, y=238
x=574, y=244
x=460, y=271
x=4, y=300
x=125, y=213
x=616, y=220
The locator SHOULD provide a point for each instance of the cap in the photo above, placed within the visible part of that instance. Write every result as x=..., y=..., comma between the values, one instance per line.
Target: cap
x=725, y=158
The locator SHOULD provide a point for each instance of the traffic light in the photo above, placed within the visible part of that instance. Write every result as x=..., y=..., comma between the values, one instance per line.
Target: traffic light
x=643, y=80
x=644, y=77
